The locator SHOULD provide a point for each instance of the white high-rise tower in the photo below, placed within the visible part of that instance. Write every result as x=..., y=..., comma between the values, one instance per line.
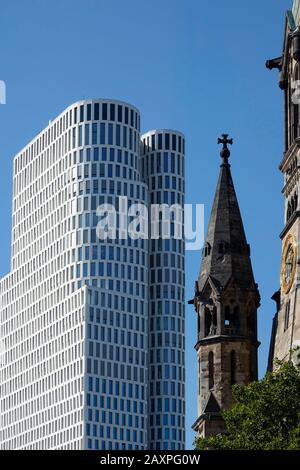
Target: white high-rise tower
x=74, y=310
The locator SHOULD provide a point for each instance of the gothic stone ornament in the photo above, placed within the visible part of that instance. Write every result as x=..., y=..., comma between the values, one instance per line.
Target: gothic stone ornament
x=288, y=264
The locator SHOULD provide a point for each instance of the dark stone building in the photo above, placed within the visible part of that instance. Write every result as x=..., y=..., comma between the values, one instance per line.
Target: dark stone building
x=226, y=301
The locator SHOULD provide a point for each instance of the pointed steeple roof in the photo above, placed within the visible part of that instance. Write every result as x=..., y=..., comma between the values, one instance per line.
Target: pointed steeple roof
x=211, y=405
x=226, y=254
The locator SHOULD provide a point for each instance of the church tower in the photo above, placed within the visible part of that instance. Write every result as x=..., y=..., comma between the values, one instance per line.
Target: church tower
x=286, y=324
x=226, y=302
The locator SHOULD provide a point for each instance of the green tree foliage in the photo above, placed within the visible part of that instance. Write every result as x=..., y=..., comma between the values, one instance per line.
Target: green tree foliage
x=265, y=414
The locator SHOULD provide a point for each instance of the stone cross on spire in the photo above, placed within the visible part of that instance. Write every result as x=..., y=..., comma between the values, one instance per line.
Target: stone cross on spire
x=225, y=152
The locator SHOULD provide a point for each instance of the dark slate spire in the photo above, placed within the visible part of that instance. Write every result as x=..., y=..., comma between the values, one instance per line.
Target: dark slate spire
x=212, y=406
x=226, y=254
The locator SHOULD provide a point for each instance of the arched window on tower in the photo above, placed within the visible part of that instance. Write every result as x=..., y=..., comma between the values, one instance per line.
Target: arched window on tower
x=211, y=371
x=233, y=367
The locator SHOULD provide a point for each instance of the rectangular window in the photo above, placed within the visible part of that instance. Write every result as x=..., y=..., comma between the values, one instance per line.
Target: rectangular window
x=119, y=113
x=74, y=137
x=102, y=133
x=174, y=142
x=179, y=144
x=93, y=269
x=95, y=187
x=96, y=154
x=94, y=170
x=172, y=162
x=118, y=135
x=94, y=133
x=126, y=114
x=80, y=136
x=124, y=136
x=87, y=134
x=112, y=112
x=89, y=112
x=96, y=111
x=167, y=141
x=81, y=113
x=110, y=134
x=104, y=111
x=166, y=162
x=159, y=141
x=153, y=142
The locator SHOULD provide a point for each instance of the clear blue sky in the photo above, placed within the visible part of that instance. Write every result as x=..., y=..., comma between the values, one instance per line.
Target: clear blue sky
x=192, y=65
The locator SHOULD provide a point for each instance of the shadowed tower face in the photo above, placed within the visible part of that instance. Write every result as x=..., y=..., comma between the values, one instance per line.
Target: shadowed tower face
x=286, y=324
x=226, y=301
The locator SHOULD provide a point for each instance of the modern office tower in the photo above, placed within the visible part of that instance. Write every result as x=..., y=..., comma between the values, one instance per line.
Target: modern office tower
x=163, y=171
x=75, y=309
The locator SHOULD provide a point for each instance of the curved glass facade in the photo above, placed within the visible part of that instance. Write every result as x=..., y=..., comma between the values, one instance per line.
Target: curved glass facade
x=116, y=272
x=163, y=171
x=83, y=319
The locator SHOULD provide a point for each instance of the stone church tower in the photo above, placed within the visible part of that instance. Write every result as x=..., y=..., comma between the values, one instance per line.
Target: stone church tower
x=226, y=301
x=286, y=324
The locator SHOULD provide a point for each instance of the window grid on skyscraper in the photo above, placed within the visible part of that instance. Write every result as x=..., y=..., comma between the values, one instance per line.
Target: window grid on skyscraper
x=74, y=310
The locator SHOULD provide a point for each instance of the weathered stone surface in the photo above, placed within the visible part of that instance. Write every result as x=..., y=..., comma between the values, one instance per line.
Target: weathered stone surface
x=226, y=302
x=226, y=236
x=286, y=323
